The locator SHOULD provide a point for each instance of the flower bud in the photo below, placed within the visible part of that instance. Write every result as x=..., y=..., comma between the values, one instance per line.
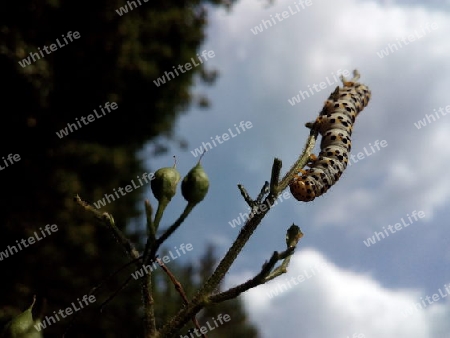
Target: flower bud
x=293, y=235
x=164, y=184
x=195, y=185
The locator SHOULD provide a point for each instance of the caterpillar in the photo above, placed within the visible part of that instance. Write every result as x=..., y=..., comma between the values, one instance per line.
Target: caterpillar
x=335, y=125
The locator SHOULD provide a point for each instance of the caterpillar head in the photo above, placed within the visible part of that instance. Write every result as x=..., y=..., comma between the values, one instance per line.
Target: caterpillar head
x=302, y=190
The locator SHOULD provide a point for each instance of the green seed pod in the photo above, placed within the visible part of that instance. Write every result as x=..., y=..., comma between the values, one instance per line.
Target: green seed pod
x=164, y=184
x=22, y=326
x=195, y=185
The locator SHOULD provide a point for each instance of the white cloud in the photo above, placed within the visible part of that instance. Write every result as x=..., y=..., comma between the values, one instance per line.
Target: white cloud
x=258, y=74
x=343, y=35
x=335, y=302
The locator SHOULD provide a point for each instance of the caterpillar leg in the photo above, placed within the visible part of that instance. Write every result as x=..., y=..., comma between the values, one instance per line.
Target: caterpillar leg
x=327, y=108
x=312, y=159
x=334, y=96
x=310, y=125
x=319, y=121
x=302, y=172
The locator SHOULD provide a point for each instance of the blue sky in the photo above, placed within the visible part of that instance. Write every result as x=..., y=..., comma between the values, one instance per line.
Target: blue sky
x=359, y=291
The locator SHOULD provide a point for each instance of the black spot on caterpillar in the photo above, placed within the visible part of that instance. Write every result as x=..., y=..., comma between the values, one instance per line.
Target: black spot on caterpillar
x=334, y=124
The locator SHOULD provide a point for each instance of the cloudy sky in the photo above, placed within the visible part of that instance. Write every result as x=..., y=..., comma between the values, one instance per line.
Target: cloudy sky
x=351, y=289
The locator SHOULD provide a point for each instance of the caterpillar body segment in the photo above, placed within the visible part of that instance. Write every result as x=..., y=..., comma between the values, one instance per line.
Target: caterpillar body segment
x=335, y=125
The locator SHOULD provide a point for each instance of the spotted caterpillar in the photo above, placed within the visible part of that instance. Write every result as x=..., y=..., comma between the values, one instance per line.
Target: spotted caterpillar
x=335, y=124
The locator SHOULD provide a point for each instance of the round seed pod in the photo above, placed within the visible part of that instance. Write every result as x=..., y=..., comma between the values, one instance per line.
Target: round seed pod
x=164, y=184
x=195, y=185
x=22, y=325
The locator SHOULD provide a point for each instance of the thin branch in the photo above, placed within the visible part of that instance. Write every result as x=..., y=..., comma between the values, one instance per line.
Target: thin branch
x=150, y=226
x=168, y=233
x=264, y=191
x=260, y=278
x=180, y=290
x=301, y=161
x=108, y=220
x=224, y=265
x=150, y=251
x=149, y=306
x=95, y=289
x=246, y=196
x=275, y=177
x=202, y=296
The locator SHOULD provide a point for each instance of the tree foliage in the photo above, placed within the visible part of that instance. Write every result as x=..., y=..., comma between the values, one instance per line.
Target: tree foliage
x=115, y=59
